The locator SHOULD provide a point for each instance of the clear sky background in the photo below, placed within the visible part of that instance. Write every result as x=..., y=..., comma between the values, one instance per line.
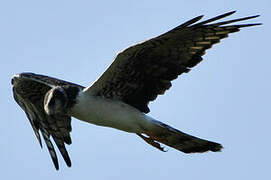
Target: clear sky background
x=226, y=98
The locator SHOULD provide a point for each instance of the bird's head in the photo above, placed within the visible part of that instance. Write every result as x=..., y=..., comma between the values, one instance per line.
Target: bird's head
x=56, y=101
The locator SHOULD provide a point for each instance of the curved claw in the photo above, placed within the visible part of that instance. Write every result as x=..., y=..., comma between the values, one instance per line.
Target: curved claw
x=152, y=142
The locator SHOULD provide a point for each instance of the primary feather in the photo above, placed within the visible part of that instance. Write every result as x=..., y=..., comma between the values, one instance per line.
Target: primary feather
x=120, y=97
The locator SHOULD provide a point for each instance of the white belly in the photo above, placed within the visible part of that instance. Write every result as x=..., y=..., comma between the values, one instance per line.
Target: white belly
x=104, y=112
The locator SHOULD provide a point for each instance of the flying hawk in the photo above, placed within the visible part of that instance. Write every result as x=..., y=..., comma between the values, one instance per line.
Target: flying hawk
x=120, y=97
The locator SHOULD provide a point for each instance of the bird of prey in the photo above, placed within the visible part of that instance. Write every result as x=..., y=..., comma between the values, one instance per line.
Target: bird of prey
x=120, y=97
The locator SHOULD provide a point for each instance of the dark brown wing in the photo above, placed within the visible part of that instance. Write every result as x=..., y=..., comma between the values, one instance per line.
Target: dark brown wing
x=29, y=90
x=142, y=72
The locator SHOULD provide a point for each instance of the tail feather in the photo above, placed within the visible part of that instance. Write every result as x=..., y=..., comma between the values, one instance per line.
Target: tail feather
x=176, y=139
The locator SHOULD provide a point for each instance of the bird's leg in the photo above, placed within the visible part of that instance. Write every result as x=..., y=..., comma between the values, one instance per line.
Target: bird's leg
x=150, y=141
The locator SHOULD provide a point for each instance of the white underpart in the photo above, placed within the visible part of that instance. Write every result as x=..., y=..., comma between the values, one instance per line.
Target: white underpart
x=110, y=113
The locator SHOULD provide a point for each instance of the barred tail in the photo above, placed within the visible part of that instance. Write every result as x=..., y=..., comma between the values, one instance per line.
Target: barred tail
x=176, y=139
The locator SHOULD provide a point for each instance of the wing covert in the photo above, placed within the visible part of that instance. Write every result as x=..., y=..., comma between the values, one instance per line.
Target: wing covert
x=142, y=72
x=29, y=90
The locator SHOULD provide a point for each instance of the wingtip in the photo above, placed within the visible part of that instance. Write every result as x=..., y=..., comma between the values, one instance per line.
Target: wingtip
x=255, y=16
x=214, y=18
x=190, y=22
x=232, y=12
x=70, y=164
x=199, y=17
x=227, y=14
x=215, y=147
x=56, y=165
x=250, y=17
x=68, y=161
x=248, y=25
x=38, y=138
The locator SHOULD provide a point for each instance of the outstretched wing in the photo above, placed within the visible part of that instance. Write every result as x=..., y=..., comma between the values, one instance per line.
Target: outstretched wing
x=29, y=90
x=142, y=72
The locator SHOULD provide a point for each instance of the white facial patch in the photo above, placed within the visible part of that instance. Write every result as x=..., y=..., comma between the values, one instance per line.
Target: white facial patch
x=46, y=105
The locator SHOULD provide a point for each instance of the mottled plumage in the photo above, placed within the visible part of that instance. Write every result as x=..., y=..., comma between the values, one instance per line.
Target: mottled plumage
x=120, y=97
x=29, y=93
x=143, y=71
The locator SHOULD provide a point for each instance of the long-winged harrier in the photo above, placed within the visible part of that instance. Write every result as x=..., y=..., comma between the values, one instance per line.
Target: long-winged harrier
x=120, y=97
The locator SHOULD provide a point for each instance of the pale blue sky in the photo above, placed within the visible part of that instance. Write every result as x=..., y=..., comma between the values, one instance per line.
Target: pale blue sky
x=226, y=98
